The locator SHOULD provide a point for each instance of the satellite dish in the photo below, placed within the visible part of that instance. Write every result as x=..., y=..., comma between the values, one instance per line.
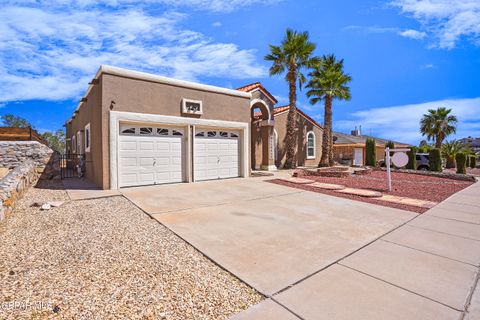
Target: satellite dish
x=400, y=159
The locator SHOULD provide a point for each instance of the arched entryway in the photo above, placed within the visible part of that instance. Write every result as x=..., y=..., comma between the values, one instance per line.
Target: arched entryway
x=262, y=135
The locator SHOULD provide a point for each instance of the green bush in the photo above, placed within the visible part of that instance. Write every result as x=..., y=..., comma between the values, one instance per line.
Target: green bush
x=391, y=145
x=461, y=160
x=473, y=162
x=371, y=153
x=412, y=158
x=435, y=160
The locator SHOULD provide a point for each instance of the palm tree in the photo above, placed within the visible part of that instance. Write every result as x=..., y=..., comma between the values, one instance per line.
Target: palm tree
x=291, y=56
x=438, y=124
x=450, y=149
x=327, y=82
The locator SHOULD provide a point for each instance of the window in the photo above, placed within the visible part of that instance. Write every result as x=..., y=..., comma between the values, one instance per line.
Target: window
x=200, y=134
x=128, y=131
x=74, y=145
x=176, y=133
x=233, y=135
x=162, y=132
x=79, y=142
x=146, y=131
x=211, y=134
x=223, y=134
x=87, y=138
x=310, y=145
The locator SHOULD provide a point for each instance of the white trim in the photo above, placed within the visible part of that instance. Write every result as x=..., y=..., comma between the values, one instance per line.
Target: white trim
x=156, y=78
x=314, y=145
x=255, y=101
x=115, y=117
x=88, y=137
x=275, y=138
x=184, y=106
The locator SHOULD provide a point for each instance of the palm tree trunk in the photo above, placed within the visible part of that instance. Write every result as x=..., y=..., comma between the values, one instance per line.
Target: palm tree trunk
x=438, y=141
x=291, y=140
x=327, y=134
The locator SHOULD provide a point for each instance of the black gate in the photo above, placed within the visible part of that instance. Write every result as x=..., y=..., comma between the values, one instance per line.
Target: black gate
x=72, y=165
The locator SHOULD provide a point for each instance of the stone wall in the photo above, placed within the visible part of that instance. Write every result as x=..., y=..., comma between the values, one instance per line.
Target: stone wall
x=14, y=153
x=14, y=184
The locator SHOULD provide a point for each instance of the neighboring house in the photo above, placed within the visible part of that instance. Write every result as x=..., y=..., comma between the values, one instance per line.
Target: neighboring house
x=350, y=149
x=135, y=128
x=473, y=143
x=309, y=139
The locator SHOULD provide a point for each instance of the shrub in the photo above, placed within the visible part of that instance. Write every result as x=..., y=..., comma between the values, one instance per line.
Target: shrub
x=412, y=158
x=371, y=154
x=461, y=160
x=473, y=162
x=435, y=160
x=424, y=149
x=391, y=145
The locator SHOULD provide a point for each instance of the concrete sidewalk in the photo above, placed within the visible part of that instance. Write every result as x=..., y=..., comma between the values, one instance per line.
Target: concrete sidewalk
x=426, y=269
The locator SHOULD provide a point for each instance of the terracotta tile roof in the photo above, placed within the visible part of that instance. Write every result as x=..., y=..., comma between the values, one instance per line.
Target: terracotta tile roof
x=257, y=85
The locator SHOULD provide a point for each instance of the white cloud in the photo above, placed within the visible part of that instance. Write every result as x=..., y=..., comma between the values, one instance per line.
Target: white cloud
x=401, y=123
x=217, y=24
x=413, y=34
x=51, y=54
x=427, y=66
x=200, y=5
x=447, y=20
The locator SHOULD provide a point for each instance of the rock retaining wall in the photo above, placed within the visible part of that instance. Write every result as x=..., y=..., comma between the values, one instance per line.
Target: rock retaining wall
x=14, y=184
x=14, y=153
x=448, y=175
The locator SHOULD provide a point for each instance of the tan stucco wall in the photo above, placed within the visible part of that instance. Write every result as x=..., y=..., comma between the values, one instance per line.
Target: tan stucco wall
x=139, y=96
x=91, y=112
x=304, y=126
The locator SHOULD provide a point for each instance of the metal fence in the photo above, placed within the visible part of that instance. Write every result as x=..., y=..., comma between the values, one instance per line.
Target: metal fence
x=72, y=165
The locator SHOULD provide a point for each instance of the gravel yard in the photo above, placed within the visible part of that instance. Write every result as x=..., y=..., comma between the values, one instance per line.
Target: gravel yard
x=403, y=184
x=106, y=259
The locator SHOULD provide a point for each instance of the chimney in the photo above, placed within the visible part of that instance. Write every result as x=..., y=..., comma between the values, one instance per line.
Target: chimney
x=356, y=132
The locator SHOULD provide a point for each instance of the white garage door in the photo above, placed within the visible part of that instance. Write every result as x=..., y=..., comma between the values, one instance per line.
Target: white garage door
x=216, y=155
x=150, y=155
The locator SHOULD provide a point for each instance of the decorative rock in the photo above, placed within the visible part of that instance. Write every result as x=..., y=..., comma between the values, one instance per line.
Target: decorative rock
x=55, y=203
x=298, y=180
x=408, y=201
x=46, y=206
x=327, y=186
x=361, y=192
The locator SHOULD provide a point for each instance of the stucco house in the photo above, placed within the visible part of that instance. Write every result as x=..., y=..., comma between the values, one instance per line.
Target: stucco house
x=350, y=148
x=134, y=128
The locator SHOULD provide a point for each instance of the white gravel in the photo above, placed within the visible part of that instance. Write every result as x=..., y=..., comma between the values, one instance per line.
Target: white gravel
x=106, y=259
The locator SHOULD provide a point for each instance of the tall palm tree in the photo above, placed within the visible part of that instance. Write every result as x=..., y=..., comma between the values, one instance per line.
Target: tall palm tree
x=450, y=150
x=438, y=124
x=327, y=82
x=291, y=56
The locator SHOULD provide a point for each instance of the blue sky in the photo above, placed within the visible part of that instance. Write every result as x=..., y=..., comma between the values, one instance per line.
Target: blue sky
x=405, y=56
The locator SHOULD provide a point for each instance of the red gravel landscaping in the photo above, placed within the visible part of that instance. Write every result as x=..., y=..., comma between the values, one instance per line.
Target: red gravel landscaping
x=403, y=184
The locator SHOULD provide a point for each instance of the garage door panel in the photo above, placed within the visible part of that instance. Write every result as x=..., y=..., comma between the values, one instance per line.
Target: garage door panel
x=150, y=159
x=216, y=156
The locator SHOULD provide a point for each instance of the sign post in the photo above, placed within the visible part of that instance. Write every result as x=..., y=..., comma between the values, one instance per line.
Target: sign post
x=399, y=159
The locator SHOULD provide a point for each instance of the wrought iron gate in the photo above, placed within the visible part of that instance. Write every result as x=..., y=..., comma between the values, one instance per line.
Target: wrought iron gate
x=72, y=165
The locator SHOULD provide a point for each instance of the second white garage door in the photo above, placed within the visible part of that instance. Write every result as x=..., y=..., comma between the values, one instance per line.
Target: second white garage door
x=216, y=155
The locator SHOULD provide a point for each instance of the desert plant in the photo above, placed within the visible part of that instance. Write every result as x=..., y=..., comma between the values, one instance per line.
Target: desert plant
x=412, y=158
x=438, y=124
x=424, y=149
x=450, y=150
x=435, y=160
x=461, y=160
x=292, y=55
x=370, y=150
x=328, y=82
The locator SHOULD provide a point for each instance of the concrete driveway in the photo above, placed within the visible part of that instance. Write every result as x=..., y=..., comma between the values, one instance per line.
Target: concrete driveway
x=270, y=236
